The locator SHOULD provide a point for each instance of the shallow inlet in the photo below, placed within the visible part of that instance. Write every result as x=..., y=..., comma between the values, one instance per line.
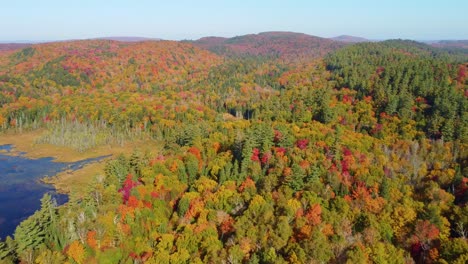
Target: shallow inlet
x=21, y=188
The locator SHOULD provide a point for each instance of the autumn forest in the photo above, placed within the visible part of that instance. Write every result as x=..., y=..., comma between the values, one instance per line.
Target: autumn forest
x=269, y=148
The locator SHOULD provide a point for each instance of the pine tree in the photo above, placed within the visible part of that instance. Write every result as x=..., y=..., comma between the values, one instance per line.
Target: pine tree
x=117, y=169
x=42, y=226
x=7, y=250
x=30, y=233
x=297, y=178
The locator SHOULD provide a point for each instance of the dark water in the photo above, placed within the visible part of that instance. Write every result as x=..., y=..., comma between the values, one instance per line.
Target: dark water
x=21, y=189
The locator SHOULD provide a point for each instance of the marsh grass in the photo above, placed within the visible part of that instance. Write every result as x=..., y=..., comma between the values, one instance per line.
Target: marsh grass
x=85, y=136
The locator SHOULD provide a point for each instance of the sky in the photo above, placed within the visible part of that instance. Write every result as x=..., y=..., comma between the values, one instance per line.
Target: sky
x=47, y=20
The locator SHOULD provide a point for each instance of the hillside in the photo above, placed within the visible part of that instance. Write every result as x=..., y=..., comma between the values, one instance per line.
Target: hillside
x=389, y=72
x=103, y=63
x=68, y=74
x=280, y=148
x=285, y=45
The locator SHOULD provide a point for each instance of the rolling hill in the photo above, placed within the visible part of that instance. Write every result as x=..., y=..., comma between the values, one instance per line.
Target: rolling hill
x=106, y=63
x=285, y=45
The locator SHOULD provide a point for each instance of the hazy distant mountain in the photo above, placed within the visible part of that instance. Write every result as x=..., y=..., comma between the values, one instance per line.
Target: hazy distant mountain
x=450, y=44
x=286, y=45
x=130, y=39
x=350, y=39
x=13, y=46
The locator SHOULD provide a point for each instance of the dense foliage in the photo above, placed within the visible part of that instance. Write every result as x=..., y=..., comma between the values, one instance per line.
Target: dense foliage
x=418, y=83
x=359, y=157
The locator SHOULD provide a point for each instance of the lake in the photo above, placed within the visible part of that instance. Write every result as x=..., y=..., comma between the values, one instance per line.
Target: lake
x=21, y=188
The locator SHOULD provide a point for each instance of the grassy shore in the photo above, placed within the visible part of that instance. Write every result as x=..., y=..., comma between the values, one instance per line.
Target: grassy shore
x=66, y=181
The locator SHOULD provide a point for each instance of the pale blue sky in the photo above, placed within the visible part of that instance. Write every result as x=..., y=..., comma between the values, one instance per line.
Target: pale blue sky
x=183, y=19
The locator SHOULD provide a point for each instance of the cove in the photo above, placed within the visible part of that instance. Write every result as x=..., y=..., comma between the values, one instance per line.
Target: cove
x=21, y=188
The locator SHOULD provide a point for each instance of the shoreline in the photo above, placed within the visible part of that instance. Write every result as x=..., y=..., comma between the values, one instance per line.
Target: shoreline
x=66, y=181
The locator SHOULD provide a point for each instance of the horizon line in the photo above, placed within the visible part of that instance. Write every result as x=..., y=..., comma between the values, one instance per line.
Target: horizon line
x=150, y=38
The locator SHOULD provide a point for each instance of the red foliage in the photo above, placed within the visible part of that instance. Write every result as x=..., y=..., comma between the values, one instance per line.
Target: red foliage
x=154, y=195
x=266, y=158
x=344, y=166
x=416, y=249
x=127, y=187
x=461, y=73
x=46, y=119
x=376, y=129
x=425, y=232
x=347, y=151
x=380, y=70
x=347, y=99
x=384, y=115
x=255, y=155
x=227, y=226
x=133, y=202
x=196, y=152
x=280, y=150
x=302, y=143
x=278, y=136
x=145, y=256
x=133, y=255
x=420, y=99
x=248, y=183
x=147, y=204
x=313, y=215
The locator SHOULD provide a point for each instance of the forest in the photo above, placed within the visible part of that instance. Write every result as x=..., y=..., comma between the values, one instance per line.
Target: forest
x=276, y=148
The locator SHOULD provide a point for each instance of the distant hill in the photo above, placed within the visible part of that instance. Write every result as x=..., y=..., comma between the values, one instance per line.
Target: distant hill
x=13, y=46
x=130, y=39
x=286, y=45
x=450, y=44
x=211, y=41
x=107, y=63
x=350, y=39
